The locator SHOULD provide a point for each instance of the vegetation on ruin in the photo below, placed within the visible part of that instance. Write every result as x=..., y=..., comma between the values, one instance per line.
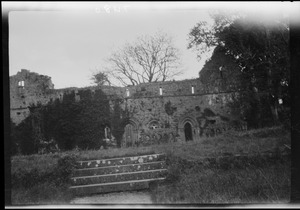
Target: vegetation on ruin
x=44, y=179
x=67, y=124
x=100, y=78
x=254, y=50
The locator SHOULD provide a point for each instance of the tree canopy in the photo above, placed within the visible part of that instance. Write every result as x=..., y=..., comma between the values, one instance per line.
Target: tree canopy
x=260, y=47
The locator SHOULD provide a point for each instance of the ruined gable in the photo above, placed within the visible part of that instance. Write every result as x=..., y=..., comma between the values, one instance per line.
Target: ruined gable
x=27, y=88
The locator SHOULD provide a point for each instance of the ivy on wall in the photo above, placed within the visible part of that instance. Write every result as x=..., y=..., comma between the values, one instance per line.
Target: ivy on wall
x=119, y=119
x=67, y=122
x=169, y=108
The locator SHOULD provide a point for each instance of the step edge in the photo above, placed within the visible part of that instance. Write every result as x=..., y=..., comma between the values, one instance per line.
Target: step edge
x=114, y=183
x=82, y=161
x=134, y=172
x=81, y=169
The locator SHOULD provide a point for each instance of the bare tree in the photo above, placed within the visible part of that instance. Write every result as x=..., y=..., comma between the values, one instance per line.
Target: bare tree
x=149, y=59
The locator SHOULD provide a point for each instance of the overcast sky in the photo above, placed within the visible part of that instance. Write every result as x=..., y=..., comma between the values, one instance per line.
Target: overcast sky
x=69, y=44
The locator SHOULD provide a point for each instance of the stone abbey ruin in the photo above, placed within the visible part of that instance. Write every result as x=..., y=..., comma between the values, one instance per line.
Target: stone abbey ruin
x=157, y=112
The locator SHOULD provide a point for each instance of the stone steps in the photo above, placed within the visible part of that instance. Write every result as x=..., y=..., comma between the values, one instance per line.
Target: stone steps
x=109, y=178
x=118, y=174
x=121, y=161
x=119, y=169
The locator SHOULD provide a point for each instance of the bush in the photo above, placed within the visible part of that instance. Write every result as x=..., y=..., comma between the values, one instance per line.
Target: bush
x=64, y=169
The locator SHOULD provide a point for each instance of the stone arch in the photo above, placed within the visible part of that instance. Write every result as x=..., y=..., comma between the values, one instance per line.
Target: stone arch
x=188, y=123
x=130, y=136
x=188, y=131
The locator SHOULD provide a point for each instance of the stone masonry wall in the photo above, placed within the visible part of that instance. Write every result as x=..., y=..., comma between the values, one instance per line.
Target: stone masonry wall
x=207, y=114
x=178, y=114
x=178, y=88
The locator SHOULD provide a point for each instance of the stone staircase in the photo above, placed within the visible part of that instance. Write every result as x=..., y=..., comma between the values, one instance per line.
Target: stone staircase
x=118, y=174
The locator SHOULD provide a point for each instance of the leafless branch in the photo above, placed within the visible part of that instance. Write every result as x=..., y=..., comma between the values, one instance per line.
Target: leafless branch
x=149, y=59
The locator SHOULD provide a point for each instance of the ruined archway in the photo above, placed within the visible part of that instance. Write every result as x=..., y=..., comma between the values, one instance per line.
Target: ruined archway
x=188, y=131
x=130, y=136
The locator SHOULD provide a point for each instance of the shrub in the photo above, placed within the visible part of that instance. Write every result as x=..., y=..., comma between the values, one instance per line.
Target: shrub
x=64, y=169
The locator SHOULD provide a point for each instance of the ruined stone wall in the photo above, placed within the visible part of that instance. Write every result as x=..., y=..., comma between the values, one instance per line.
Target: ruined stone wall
x=181, y=107
x=29, y=88
x=180, y=88
x=163, y=118
x=160, y=111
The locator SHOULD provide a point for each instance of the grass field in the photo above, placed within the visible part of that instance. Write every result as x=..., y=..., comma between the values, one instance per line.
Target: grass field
x=43, y=179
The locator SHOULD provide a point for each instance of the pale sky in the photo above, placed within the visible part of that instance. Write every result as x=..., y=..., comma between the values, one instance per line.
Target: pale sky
x=71, y=40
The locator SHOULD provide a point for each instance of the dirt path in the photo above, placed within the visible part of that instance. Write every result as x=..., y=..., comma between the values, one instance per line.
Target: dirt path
x=134, y=197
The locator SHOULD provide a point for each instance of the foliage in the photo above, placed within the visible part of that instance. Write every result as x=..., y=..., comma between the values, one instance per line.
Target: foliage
x=94, y=117
x=210, y=73
x=259, y=47
x=100, y=78
x=64, y=169
x=67, y=123
x=14, y=137
x=23, y=137
x=119, y=120
x=169, y=108
x=149, y=59
x=252, y=108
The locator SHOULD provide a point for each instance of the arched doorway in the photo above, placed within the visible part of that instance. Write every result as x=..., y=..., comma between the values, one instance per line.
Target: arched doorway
x=188, y=132
x=130, y=136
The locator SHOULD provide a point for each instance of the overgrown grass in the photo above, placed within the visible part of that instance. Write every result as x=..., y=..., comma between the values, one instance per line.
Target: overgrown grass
x=43, y=179
x=41, y=182
x=40, y=194
x=209, y=171
x=258, y=180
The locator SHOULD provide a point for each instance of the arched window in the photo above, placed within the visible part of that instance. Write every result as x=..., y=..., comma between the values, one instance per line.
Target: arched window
x=193, y=90
x=188, y=133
